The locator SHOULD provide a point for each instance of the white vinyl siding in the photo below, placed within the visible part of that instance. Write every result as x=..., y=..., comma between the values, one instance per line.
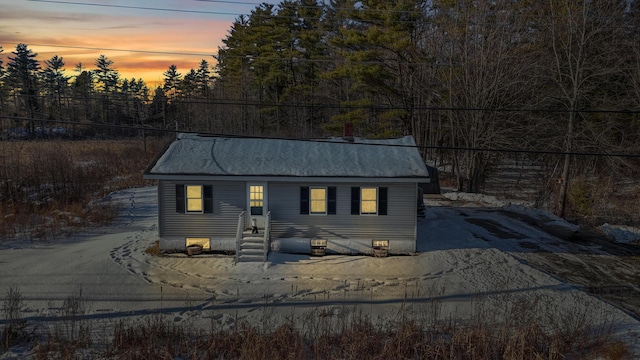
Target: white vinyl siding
x=289, y=222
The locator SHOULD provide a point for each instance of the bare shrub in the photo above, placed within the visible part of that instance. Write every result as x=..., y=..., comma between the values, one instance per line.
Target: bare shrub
x=71, y=334
x=48, y=188
x=503, y=325
x=154, y=250
x=490, y=334
x=15, y=326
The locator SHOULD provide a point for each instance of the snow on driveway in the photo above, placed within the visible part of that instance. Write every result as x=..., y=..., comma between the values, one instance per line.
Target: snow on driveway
x=465, y=255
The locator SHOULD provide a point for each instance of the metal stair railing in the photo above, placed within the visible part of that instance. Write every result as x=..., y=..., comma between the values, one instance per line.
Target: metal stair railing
x=267, y=235
x=239, y=232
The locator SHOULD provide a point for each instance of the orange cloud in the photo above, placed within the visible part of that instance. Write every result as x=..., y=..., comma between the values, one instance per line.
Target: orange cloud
x=151, y=44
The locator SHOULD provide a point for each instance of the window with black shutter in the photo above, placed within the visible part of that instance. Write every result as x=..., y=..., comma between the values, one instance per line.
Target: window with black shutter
x=304, y=200
x=331, y=201
x=318, y=200
x=196, y=199
x=382, y=204
x=180, y=198
x=369, y=200
x=355, y=201
x=208, y=199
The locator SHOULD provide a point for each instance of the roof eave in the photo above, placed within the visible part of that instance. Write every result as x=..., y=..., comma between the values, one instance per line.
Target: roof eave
x=276, y=178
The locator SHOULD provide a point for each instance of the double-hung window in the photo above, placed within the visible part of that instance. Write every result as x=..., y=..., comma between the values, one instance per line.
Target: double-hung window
x=318, y=201
x=315, y=200
x=194, y=199
x=369, y=200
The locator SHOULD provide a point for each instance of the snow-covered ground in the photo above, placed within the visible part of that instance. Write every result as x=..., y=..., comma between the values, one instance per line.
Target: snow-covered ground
x=466, y=255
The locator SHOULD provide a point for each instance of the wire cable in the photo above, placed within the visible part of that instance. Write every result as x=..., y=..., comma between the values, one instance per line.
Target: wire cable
x=134, y=7
x=426, y=147
x=122, y=50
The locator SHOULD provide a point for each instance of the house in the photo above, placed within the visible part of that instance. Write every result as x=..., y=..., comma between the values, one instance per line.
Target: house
x=339, y=195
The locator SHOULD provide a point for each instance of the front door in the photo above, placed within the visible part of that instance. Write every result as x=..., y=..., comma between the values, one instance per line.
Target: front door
x=257, y=203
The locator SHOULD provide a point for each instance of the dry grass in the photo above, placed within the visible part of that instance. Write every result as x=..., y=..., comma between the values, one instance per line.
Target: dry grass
x=154, y=250
x=48, y=188
x=521, y=328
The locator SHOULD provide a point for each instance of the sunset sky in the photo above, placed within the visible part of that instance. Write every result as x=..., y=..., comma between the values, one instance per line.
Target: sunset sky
x=162, y=32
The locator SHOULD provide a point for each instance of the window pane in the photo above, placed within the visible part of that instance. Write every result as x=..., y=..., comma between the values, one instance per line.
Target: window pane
x=368, y=207
x=194, y=192
x=369, y=194
x=194, y=204
x=256, y=197
x=318, y=194
x=318, y=201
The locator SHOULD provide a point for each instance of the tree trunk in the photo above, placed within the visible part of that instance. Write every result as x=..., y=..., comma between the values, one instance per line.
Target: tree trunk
x=564, y=177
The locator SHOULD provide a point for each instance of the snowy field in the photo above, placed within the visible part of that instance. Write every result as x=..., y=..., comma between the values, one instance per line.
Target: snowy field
x=470, y=252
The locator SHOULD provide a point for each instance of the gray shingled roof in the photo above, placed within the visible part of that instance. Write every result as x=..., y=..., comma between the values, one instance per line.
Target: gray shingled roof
x=219, y=156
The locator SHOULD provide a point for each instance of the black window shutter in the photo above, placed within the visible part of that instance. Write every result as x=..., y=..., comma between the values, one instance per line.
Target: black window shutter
x=304, y=200
x=331, y=200
x=180, y=198
x=207, y=192
x=382, y=205
x=355, y=201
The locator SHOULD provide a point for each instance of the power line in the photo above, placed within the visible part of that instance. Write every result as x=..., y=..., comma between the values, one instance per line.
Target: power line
x=227, y=2
x=420, y=11
x=426, y=147
x=257, y=103
x=122, y=50
x=134, y=7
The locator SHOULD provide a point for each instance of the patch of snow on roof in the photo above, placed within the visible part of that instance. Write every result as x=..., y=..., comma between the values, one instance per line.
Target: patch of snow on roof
x=198, y=155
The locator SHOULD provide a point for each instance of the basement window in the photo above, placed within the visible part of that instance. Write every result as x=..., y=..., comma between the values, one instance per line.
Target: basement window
x=204, y=243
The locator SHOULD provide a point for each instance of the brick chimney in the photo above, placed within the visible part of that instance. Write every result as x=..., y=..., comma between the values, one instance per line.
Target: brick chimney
x=347, y=132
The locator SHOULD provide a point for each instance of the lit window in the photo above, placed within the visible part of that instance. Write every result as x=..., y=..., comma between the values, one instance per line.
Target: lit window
x=368, y=200
x=318, y=203
x=204, y=242
x=256, y=199
x=194, y=198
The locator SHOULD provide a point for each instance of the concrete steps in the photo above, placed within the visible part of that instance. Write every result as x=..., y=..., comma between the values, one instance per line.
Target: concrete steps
x=252, y=247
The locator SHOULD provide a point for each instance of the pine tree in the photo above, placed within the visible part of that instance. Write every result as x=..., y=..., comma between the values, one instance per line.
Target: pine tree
x=203, y=77
x=3, y=92
x=376, y=48
x=22, y=75
x=54, y=79
x=171, y=80
x=106, y=76
x=107, y=80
